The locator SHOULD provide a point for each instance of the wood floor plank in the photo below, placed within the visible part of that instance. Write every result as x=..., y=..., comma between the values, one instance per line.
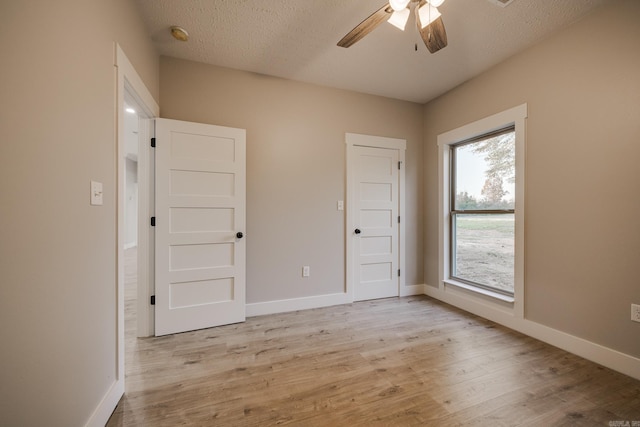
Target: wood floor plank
x=393, y=362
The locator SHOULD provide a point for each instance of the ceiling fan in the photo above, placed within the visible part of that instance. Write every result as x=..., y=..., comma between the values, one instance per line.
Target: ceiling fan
x=397, y=12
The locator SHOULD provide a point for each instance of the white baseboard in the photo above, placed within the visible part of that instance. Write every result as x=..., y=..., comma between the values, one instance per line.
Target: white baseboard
x=106, y=407
x=597, y=353
x=409, y=290
x=294, y=304
x=318, y=301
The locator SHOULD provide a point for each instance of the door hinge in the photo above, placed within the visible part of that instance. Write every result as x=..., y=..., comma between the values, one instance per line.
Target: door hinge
x=399, y=163
x=153, y=221
x=398, y=219
x=153, y=300
x=153, y=142
x=398, y=272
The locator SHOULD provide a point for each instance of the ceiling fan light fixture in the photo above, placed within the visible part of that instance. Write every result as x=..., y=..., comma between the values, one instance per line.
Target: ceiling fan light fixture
x=431, y=32
x=399, y=19
x=428, y=14
x=398, y=5
x=435, y=3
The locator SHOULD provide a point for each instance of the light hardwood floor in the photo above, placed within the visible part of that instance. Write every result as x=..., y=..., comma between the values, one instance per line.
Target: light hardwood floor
x=393, y=362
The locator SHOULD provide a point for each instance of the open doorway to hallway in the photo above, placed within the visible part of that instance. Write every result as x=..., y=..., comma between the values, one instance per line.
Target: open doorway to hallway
x=131, y=142
x=130, y=298
x=137, y=238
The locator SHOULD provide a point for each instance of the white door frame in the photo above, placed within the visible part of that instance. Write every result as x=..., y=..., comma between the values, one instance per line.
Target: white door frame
x=127, y=81
x=352, y=140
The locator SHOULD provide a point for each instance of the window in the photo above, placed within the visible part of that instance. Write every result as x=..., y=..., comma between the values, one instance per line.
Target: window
x=481, y=204
x=482, y=211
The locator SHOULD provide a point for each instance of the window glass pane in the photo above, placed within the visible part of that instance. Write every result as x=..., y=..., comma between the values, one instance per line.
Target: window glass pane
x=485, y=173
x=484, y=249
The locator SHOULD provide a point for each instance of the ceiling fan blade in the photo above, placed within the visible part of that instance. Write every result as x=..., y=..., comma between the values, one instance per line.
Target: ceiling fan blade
x=366, y=26
x=434, y=35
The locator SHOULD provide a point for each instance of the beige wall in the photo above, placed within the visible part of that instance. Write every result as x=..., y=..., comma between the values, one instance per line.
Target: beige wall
x=582, y=240
x=57, y=253
x=296, y=168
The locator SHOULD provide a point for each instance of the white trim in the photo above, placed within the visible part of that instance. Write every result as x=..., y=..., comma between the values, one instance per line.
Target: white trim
x=128, y=72
x=597, y=353
x=517, y=116
x=355, y=139
x=348, y=223
x=130, y=245
x=317, y=301
x=409, y=290
x=295, y=304
x=104, y=410
x=375, y=141
x=403, y=216
x=487, y=124
x=126, y=79
x=486, y=292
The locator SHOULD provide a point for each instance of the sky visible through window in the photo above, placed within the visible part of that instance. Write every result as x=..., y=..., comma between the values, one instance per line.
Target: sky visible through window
x=471, y=174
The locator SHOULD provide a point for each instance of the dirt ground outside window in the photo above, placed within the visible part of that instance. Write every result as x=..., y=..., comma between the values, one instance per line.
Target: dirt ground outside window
x=485, y=250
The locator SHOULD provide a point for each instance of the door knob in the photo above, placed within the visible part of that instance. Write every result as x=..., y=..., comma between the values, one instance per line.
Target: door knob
x=239, y=235
x=357, y=231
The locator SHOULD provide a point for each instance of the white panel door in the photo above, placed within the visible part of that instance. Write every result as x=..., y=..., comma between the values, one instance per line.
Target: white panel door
x=200, y=226
x=375, y=227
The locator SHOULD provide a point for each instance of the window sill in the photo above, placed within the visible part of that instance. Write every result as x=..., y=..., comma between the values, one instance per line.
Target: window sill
x=481, y=291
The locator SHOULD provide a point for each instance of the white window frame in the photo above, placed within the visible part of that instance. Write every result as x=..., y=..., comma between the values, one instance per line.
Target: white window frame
x=515, y=116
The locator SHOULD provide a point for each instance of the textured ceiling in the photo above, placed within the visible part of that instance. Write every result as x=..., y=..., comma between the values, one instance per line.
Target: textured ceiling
x=296, y=39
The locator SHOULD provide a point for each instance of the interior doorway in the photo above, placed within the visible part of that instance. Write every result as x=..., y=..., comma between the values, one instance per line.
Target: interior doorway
x=131, y=90
x=137, y=174
x=131, y=143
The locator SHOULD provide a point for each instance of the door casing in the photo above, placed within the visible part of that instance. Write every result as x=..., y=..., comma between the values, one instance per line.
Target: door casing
x=127, y=81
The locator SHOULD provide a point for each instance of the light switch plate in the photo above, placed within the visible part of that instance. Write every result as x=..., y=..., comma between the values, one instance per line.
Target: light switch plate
x=96, y=193
x=635, y=312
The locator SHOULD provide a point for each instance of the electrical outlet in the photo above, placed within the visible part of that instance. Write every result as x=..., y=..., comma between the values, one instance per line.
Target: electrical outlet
x=306, y=271
x=635, y=312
